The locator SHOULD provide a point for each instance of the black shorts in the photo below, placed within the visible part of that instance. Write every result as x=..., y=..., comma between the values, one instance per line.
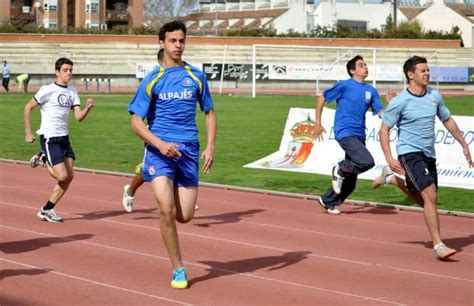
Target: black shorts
x=420, y=171
x=56, y=149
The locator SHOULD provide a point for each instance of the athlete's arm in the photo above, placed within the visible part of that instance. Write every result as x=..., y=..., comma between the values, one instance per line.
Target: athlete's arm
x=385, y=143
x=81, y=114
x=318, y=127
x=32, y=104
x=211, y=128
x=166, y=148
x=453, y=128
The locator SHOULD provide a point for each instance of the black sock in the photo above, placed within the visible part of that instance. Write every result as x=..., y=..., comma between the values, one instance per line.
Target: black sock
x=49, y=205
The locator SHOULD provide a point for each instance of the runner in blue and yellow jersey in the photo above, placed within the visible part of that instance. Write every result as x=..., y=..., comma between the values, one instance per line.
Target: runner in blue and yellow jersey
x=167, y=98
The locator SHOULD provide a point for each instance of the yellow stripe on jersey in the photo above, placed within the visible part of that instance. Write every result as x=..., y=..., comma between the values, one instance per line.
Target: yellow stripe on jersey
x=188, y=69
x=153, y=82
x=138, y=168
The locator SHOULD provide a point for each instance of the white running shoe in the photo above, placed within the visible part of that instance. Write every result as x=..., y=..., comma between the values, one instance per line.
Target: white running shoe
x=49, y=215
x=443, y=252
x=383, y=178
x=38, y=160
x=329, y=210
x=336, y=179
x=127, y=200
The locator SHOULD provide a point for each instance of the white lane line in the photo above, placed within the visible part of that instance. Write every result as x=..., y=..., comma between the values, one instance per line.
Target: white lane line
x=231, y=272
x=95, y=282
x=329, y=258
x=114, y=204
x=356, y=238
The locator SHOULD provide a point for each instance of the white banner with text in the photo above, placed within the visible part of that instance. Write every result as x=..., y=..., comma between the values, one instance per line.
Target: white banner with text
x=298, y=152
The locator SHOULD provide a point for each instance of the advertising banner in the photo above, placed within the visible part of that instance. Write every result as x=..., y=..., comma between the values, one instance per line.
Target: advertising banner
x=449, y=74
x=142, y=69
x=235, y=72
x=298, y=152
x=470, y=73
x=331, y=72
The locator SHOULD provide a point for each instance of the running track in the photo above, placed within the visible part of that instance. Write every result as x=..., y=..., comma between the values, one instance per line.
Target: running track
x=242, y=248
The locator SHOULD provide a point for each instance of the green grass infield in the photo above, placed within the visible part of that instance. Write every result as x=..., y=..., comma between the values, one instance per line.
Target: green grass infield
x=248, y=129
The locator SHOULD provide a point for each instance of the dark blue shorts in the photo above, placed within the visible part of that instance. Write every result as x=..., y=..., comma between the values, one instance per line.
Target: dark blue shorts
x=56, y=149
x=420, y=171
x=183, y=171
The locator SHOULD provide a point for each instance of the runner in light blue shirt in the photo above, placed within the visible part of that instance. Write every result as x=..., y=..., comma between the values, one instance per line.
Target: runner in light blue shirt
x=414, y=112
x=414, y=117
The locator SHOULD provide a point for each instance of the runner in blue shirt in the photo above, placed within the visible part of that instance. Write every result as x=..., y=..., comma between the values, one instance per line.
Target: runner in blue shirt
x=167, y=98
x=354, y=97
x=414, y=112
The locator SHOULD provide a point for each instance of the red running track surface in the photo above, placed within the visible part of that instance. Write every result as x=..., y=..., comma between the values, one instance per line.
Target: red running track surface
x=241, y=248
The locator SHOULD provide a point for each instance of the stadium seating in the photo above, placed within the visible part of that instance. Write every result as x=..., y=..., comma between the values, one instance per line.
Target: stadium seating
x=118, y=60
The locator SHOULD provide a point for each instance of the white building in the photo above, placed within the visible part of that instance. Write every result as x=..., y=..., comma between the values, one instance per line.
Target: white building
x=303, y=15
x=441, y=16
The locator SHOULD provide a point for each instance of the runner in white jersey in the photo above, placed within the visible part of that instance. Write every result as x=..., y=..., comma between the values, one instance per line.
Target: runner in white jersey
x=55, y=102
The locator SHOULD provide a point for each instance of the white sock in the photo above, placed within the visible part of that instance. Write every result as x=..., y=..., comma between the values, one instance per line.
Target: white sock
x=438, y=245
x=388, y=178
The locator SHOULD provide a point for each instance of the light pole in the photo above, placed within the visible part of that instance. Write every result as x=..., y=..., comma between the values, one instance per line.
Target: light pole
x=215, y=16
x=37, y=6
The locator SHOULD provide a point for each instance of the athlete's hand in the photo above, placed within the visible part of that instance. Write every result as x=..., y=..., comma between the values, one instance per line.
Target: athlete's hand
x=318, y=132
x=208, y=156
x=396, y=166
x=169, y=149
x=467, y=154
x=390, y=95
x=90, y=102
x=29, y=138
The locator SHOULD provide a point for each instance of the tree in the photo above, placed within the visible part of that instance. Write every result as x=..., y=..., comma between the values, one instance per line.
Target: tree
x=158, y=12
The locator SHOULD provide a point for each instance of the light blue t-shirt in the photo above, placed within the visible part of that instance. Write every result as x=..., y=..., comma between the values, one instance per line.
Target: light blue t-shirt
x=353, y=100
x=414, y=117
x=168, y=97
x=6, y=71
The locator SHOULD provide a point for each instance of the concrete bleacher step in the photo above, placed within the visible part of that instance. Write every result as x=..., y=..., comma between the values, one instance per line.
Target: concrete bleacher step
x=121, y=58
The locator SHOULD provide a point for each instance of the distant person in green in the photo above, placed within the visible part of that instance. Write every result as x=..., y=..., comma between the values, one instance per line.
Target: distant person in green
x=23, y=80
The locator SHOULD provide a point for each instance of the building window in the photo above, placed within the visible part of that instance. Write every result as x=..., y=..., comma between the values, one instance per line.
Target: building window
x=353, y=25
x=94, y=7
x=53, y=5
x=92, y=25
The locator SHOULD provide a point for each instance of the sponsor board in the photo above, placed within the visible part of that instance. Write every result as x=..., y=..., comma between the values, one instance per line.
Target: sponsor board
x=144, y=68
x=234, y=72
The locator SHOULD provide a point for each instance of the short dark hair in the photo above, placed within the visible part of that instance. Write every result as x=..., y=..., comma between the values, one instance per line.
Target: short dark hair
x=410, y=64
x=351, y=65
x=61, y=62
x=5, y=62
x=160, y=54
x=171, y=26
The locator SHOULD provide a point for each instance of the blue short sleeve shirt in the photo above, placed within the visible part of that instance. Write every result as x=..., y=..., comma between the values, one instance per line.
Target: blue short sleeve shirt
x=414, y=117
x=167, y=98
x=353, y=100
